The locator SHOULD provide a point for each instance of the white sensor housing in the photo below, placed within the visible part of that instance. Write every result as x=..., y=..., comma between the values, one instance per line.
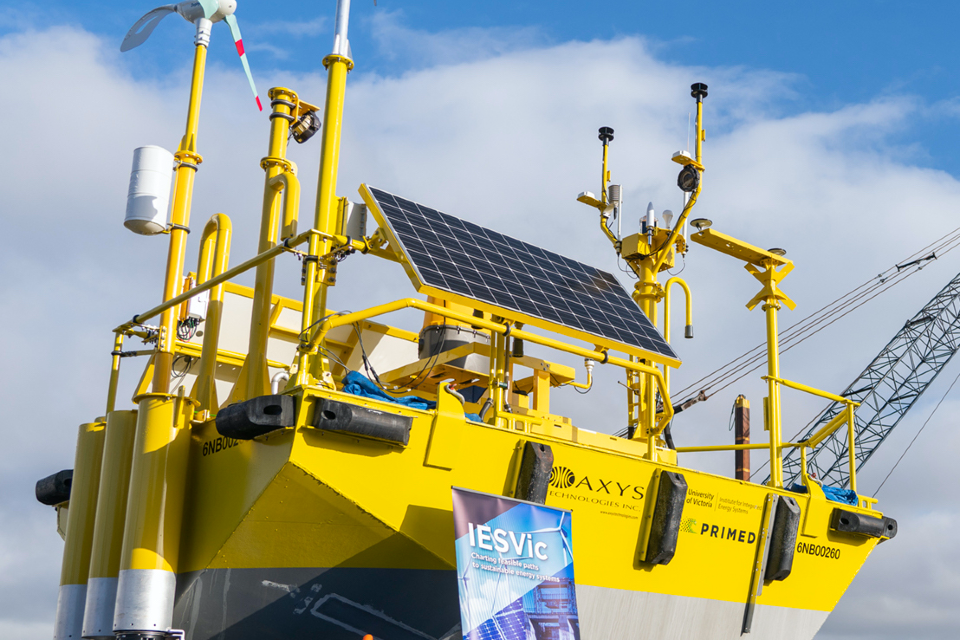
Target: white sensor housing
x=149, y=194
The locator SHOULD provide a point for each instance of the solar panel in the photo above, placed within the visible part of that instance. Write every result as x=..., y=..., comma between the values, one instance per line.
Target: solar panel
x=493, y=272
x=509, y=624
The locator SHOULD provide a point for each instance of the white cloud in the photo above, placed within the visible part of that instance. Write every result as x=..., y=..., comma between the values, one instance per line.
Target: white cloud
x=296, y=28
x=418, y=49
x=503, y=133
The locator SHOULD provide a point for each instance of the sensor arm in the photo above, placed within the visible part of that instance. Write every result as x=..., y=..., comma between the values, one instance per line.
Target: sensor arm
x=606, y=231
x=662, y=251
x=698, y=91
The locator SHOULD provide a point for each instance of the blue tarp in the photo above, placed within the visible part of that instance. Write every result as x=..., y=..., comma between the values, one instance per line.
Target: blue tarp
x=358, y=385
x=846, y=496
x=355, y=383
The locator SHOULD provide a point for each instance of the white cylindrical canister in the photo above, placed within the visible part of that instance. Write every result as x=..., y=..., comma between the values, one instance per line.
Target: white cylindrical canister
x=149, y=194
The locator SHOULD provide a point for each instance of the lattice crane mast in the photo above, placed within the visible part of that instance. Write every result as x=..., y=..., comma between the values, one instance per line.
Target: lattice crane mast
x=886, y=389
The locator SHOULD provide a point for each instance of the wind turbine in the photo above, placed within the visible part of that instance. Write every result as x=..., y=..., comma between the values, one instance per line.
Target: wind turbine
x=143, y=605
x=193, y=11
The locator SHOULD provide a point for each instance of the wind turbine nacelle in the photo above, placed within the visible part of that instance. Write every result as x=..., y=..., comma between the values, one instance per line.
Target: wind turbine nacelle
x=192, y=10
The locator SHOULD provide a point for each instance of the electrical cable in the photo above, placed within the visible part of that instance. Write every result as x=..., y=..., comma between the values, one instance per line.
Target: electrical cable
x=629, y=272
x=583, y=392
x=674, y=275
x=176, y=379
x=304, y=335
x=423, y=374
x=330, y=354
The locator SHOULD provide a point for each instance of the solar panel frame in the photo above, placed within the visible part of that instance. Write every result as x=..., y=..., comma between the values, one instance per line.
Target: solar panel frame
x=499, y=274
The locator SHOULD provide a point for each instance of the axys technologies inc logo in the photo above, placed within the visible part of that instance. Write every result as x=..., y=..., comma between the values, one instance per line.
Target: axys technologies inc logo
x=562, y=478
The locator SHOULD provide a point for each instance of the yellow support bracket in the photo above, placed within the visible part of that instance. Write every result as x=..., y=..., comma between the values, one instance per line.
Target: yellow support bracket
x=447, y=430
x=799, y=386
x=770, y=277
x=735, y=248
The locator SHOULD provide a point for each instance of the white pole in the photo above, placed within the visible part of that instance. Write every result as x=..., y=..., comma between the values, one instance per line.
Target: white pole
x=341, y=46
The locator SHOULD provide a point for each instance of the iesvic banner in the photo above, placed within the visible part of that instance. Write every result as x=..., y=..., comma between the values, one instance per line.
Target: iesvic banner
x=514, y=569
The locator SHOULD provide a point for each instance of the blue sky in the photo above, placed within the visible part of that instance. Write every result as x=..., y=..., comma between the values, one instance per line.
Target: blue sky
x=838, y=52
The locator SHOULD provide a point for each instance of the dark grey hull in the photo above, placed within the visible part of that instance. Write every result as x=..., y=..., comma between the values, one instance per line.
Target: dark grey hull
x=328, y=604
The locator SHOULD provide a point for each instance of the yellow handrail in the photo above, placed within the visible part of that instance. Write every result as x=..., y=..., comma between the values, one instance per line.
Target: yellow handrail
x=811, y=390
x=214, y=258
x=845, y=417
x=243, y=267
x=601, y=356
x=212, y=282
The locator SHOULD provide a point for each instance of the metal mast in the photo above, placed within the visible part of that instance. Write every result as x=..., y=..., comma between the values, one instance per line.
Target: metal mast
x=887, y=388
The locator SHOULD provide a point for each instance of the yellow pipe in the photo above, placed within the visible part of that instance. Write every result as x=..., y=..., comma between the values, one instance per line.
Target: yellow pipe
x=666, y=314
x=700, y=135
x=319, y=277
x=496, y=378
x=255, y=377
x=847, y=416
x=640, y=400
x=724, y=447
x=214, y=258
x=226, y=275
x=151, y=533
x=812, y=390
x=666, y=310
x=78, y=544
x=108, y=531
x=693, y=196
x=582, y=385
x=608, y=233
x=604, y=178
x=290, y=185
x=851, y=447
x=773, y=387
x=665, y=251
x=827, y=430
x=602, y=357
x=114, y=371
x=188, y=160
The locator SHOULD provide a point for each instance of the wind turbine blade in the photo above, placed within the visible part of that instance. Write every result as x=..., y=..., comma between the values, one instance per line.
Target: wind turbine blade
x=238, y=40
x=143, y=27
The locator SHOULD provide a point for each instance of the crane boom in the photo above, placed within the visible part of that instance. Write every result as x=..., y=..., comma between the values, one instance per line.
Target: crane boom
x=887, y=388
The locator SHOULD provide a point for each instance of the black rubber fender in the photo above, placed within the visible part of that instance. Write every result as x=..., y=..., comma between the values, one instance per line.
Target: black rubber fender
x=667, y=512
x=344, y=417
x=783, y=539
x=55, y=488
x=845, y=521
x=257, y=417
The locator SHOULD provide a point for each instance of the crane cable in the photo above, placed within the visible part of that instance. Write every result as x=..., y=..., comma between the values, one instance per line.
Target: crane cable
x=758, y=361
x=807, y=426
x=805, y=325
x=916, y=436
